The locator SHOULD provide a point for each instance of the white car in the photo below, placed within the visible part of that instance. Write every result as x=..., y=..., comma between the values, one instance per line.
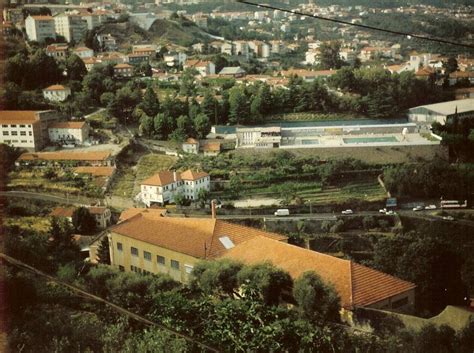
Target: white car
x=348, y=211
x=448, y=218
x=383, y=210
x=417, y=208
x=430, y=207
x=391, y=213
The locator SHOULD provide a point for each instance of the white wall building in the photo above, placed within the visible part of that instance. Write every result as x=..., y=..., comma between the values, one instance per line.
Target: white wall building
x=102, y=216
x=84, y=52
x=26, y=128
x=56, y=93
x=175, y=59
x=258, y=137
x=164, y=186
x=69, y=132
x=71, y=27
x=191, y=146
x=39, y=28
x=441, y=112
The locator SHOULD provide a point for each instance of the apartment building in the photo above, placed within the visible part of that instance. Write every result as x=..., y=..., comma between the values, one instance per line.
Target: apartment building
x=71, y=27
x=69, y=132
x=56, y=93
x=163, y=187
x=39, y=28
x=26, y=128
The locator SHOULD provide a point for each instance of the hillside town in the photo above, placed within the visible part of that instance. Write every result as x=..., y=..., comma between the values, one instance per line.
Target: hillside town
x=201, y=175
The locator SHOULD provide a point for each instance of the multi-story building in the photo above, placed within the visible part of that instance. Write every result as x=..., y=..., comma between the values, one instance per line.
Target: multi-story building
x=145, y=49
x=39, y=28
x=56, y=93
x=138, y=58
x=27, y=129
x=93, y=20
x=258, y=137
x=57, y=51
x=175, y=58
x=71, y=27
x=151, y=243
x=107, y=42
x=69, y=132
x=123, y=70
x=204, y=67
x=163, y=187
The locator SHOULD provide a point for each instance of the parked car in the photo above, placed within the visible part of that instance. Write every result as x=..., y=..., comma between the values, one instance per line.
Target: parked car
x=390, y=213
x=430, y=207
x=348, y=211
x=282, y=212
x=383, y=210
x=418, y=208
x=448, y=218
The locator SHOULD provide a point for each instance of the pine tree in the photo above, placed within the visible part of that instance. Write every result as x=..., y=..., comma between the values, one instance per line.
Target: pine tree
x=103, y=251
x=150, y=103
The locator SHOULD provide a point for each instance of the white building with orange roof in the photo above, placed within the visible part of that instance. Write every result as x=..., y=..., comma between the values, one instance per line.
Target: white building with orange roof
x=123, y=70
x=162, y=187
x=39, y=28
x=57, y=51
x=76, y=132
x=26, y=128
x=56, y=93
x=204, y=67
x=84, y=52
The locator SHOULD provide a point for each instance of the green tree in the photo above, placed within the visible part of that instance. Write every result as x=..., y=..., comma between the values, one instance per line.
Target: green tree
x=316, y=300
x=266, y=281
x=83, y=221
x=329, y=55
x=179, y=199
x=188, y=85
x=209, y=106
x=103, y=251
x=217, y=277
x=62, y=247
x=150, y=103
x=75, y=67
x=202, y=125
x=239, y=108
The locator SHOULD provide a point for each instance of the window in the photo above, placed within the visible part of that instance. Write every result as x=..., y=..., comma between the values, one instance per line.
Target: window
x=119, y=247
x=5, y=133
x=188, y=269
x=30, y=133
x=134, y=251
x=24, y=141
x=13, y=126
x=14, y=133
x=175, y=264
x=147, y=255
x=22, y=133
x=4, y=125
x=160, y=259
x=121, y=268
x=22, y=125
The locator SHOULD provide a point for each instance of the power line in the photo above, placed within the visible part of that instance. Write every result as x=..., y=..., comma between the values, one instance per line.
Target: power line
x=85, y=294
x=404, y=34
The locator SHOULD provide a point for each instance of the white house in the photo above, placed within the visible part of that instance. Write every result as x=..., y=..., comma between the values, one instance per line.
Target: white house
x=204, y=67
x=39, y=28
x=191, y=146
x=69, y=132
x=163, y=187
x=56, y=93
x=175, y=59
x=84, y=52
x=102, y=216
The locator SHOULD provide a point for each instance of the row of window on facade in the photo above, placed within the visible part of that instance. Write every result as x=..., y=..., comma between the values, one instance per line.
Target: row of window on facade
x=14, y=125
x=161, y=260
x=15, y=133
x=16, y=141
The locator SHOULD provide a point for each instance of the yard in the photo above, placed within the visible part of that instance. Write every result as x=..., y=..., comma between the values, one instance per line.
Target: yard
x=37, y=224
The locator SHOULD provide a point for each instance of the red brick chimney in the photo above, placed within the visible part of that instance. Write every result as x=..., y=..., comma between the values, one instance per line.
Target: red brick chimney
x=213, y=209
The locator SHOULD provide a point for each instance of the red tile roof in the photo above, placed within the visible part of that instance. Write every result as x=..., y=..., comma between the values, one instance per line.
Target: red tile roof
x=357, y=285
x=131, y=212
x=68, y=125
x=197, y=237
x=97, y=210
x=62, y=212
x=64, y=156
x=18, y=116
x=55, y=88
x=168, y=177
x=123, y=66
x=192, y=175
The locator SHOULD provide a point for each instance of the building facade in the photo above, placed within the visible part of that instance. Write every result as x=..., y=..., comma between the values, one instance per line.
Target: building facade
x=70, y=132
x=26, y=129
x=441, y=112
x=56, y=93
x=39, y=28
x=71, y=27
x=163, y=187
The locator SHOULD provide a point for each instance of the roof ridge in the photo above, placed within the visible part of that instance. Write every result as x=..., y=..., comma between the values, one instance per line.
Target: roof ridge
x=351, y=298
x=385, y=274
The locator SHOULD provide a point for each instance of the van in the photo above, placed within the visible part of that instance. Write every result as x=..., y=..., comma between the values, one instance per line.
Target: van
x=282, y=212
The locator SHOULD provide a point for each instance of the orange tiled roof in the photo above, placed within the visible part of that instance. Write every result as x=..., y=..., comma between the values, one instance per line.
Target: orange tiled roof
x=68, y=125
x=123, y=66
x=192, y=141
x=97, y=210
x=55, y=88
x=64, y=156
x=357, y=285
x=18, y=116
x=95, y=171
x=131, y=212
x=425, y=71
x=62, y=212
x=197, y=237
x=43, y=18
x=162, y=178
x=192, y=175
x=212, y=147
